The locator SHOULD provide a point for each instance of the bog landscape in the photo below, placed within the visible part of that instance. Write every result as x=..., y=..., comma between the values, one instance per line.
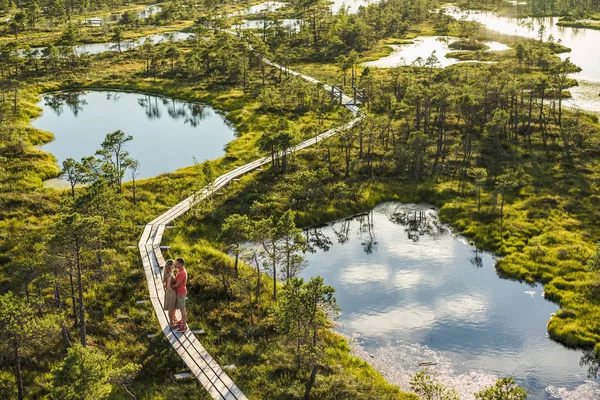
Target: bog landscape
x=304, y=199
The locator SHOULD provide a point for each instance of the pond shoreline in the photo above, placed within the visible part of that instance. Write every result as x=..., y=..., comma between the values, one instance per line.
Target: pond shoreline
x=178, y=131
x=453, y=372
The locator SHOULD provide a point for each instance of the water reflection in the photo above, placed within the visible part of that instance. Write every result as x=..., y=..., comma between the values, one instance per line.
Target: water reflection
x=351, y=6
x=74, y=101
x=580, y=41
x=168, y=133
x=422, y=48
x=367, y=232
x=407, y=285
x=97, y=48
x=590, y=360
x=477, y=260
x=291, y=24
x=315, y=239
x=268, y=6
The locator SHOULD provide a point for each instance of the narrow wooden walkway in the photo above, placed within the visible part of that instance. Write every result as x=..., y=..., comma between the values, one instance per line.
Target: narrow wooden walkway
x=210, y=374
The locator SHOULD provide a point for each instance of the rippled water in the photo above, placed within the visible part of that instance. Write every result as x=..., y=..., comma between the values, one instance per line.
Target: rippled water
x=421, y=48
x=412, y=291
x=167, y=134
x=579, y=40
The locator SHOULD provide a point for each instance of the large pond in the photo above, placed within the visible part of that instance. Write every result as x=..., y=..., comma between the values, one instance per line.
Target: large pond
x=580, y=41
x=411, y=291
x=423, y=47
x=167, y=134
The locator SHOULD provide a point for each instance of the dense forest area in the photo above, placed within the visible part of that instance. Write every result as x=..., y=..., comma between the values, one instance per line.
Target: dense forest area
x=491, y=143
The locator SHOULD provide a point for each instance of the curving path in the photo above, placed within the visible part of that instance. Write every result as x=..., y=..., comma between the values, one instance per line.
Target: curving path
x=201, y=364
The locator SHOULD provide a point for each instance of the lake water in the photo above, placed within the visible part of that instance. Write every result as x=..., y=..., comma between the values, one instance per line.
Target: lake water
x=167, y=134
x=259, y=24
x=579, y=40
x=97, y=48
x=142, y=14
x=411, y=291
x=268, y=6
x=422, y=47
x=351, y=6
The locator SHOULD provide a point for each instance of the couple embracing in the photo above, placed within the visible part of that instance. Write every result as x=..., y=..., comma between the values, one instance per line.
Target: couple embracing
x=175, y=293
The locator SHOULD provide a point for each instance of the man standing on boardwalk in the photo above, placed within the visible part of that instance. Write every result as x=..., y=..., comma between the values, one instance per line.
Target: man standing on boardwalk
x=181, y=291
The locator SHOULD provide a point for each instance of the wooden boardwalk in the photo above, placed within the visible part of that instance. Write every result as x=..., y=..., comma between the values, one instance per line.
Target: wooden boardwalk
x=210, y=374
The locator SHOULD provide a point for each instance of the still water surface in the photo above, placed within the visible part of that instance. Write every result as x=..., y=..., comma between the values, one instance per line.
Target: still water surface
x=423, y=47
x=97, y=48
x=351, y=6
x=267, y=6
x=288, y=23
x=412, y=291
x=167, y=134
x=582, y=42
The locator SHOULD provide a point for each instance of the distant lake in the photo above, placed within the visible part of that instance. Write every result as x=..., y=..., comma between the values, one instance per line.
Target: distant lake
x=585, y=96
x=421, y=48
x=97, y=48
x=412, y=291
x=167, y=133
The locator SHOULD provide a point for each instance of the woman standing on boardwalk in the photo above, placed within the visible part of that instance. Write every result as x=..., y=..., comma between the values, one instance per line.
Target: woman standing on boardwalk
x=170, y=296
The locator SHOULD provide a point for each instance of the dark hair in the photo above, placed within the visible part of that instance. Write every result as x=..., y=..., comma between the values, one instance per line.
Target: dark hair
x=180, y=261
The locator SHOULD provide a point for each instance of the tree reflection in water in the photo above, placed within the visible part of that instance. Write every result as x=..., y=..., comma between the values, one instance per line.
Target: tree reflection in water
x=197, y=113
x=150, y=106
x=72, y=100
x=477, y=260
x=343, y=234
x=418, y=223
x=190, y=113
x=592, y=361
x=366, y=230
x=316, y=239
x=114, y=96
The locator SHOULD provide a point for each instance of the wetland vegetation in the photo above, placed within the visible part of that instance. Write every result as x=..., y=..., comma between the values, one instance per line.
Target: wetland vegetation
x=493, y=145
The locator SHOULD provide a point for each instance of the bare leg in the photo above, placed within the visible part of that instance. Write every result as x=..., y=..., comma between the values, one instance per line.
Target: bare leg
x=184, y=317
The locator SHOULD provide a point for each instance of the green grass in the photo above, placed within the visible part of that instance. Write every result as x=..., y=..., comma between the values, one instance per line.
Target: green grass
x=265, y=366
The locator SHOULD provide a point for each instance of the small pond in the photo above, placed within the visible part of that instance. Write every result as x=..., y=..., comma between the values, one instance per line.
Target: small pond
x=167, y=134
x=411, y=291
x=351, y=6
x=579, y=40
x=291, y=23
x=97, y=48
x=142, y=14
x=268, y=6
x=421, y=48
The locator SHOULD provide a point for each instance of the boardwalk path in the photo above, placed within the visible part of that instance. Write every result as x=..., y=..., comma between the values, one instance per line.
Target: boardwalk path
x=198, y=360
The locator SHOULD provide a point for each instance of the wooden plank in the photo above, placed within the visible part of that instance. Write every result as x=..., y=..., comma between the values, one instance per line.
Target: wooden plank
x=183, y=375
x=200, y=363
